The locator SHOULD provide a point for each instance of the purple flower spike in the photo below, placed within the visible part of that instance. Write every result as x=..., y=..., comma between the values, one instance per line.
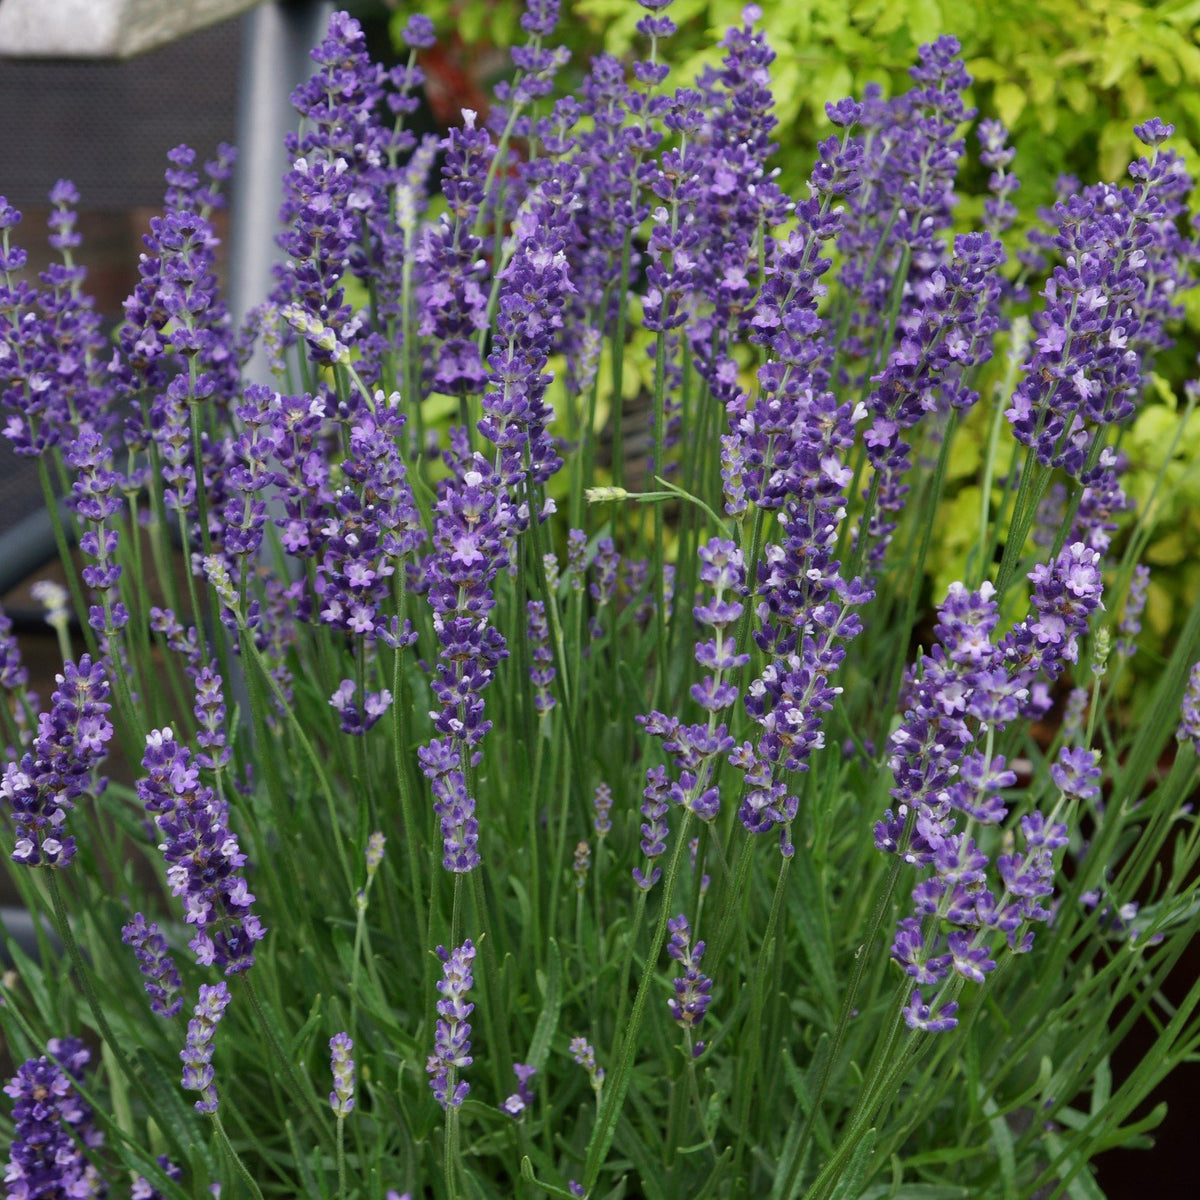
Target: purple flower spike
x=523, y=1097
x=156, y=965
x=53, y=1127
x=602, y=806
x=535, y=289
x=1130, y=624
x=418, y=32
x=341, y=1099
x=198, y=1073
x=1122, y=264
x=692, y=988
x=13, y=674
x=210, y=721
x=452, y=1037
x=42, y=788
x=1189, y=725
x=53, y=378
x=203, y=859
x=584, y=1054
x=654, y=826
x=455, y=807
x=542, y=672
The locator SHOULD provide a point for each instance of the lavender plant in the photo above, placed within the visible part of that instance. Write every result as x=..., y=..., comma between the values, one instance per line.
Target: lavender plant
x=447, y=755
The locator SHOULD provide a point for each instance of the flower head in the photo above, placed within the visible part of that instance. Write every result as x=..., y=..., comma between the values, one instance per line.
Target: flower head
x=452, y=1037
x=198, y=1073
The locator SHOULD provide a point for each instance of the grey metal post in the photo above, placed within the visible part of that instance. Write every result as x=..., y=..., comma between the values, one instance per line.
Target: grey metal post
x=276, y=39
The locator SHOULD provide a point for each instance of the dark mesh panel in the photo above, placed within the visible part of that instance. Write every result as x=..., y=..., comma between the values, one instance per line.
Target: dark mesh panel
x=20, y=491
x=107, y=125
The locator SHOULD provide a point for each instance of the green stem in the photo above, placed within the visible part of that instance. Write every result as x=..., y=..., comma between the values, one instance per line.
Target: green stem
x=298, y=1087
x=617, y=1087
x=862, y=960
x=341, y=1157
x=497, y=1030
x=64, y=556
x=753, y=1027
x=67, y=934
x=235, y=1158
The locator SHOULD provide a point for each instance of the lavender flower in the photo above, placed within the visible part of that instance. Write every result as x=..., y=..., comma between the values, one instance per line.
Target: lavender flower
x=577, y=558
x=452, y=1037
x=536, y=65
x=198, y=1073
x=374, y=854
x=1073, y=713
x=968, y=681
x=542, y=672
x=156, y=965
x=1130, y=624
x=453, y=804
x=1189, y=725
x=474, y=521
x=356, y=720
x=202, y=855
x=341, y=1099
x=56, y=604
x=372, y=525
x=95, y=498
x=603, y=588
x=602, y=806
x=183, y=641
x=418, y=32
x=920, y=1016
x=581, y=865
x=654, y=826
x=337, y=182
x=52, y=378
x=60, y=767
x=534, y=290
x=175, y=317
x=695, y=748
x=693, y=987
x=54, y=1128
x=999, y=212
x=949, y=331
x=209, y=710
x=1066, y=593
x=452, y=289
x=1076, y=772
x=523, y=1097
x=584, y=1054
x=910, y=159
x=1106, y=307
x=13, y=674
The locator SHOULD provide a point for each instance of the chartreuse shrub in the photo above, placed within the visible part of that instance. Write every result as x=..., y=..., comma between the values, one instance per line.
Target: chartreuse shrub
x=498, y=827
